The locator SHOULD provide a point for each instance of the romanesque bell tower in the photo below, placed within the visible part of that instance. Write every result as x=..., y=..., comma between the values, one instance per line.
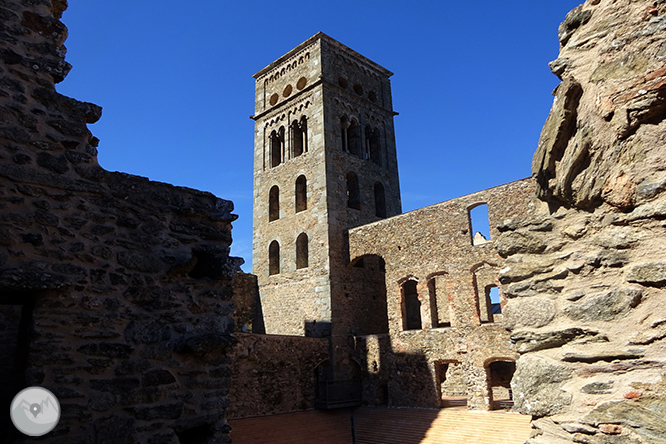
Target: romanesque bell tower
x=324, y=162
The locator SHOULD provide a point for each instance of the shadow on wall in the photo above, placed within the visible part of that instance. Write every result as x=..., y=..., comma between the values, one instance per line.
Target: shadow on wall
x=411, y=382
x=317, y=329
x=16, y=313
x=365, y=295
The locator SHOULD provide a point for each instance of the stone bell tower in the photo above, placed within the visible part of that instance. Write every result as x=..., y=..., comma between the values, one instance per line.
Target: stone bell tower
x=324, y=162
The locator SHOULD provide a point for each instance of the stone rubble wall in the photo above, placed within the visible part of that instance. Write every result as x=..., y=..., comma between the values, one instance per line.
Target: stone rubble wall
x=435, y=243
x=585, y=280
x=117, y=289
x=274, y=374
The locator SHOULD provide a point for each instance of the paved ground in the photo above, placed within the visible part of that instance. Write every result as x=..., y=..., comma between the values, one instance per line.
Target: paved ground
x=381, y=425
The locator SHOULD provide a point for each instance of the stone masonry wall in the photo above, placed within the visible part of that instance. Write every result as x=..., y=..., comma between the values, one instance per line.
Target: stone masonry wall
x=274, y=374
x=114, y=289
x=593, y=357
x=433, y=246
x=295, y=296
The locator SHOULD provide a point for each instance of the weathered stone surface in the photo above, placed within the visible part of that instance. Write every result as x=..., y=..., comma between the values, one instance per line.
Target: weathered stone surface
x=529, y=341
x=532, y=312
x=597, y=388
x=616, y=237
x=559, y=128
x=157, y=377
x=114, y=429
x=648, y=273
x=574, y=20
x=595, y=356
x=647, y=423
x=537, y=386
x=606, y=307
x=513, y=243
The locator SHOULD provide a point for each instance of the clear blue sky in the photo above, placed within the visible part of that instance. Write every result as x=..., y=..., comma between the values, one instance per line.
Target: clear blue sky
x=472, y=86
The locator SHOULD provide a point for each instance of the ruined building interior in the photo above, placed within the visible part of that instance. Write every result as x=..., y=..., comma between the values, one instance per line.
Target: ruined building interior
x=119, y=295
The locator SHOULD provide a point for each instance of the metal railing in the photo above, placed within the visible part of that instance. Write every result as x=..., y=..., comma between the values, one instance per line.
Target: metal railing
x=338, y=394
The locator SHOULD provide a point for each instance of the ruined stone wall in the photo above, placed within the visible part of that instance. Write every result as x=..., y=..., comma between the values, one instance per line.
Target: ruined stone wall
x=274, y=374
x=585, y=280
x=433, y=246
x=115, y=289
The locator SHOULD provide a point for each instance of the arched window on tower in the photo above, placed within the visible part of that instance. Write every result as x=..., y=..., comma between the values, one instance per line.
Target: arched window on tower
x=301, y=194
x=353, y=192
x=277, y=144
x=302, y=251
x=411, y=306
x=380, y=200
x=299, y=138
x=354, y=138
x=373, y=147
x=274, y=258
x=274, y=203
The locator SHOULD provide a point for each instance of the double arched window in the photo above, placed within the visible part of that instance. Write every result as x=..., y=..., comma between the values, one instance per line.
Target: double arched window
x=364, y=146
x=302, y=254
x=299, y=136
x=282, y=147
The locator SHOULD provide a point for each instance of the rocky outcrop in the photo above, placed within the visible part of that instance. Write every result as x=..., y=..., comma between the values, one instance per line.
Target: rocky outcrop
x=586, y=295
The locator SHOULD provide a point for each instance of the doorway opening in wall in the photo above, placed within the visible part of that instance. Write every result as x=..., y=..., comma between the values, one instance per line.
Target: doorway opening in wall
x=451, y=386
x=16, y=327
x=479, y=224
x=500, y=372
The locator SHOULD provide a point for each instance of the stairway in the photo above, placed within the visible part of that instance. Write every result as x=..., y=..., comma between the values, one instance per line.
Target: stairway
x=382, y=425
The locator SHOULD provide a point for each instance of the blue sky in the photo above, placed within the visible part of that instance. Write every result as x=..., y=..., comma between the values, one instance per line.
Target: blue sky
x=471, y=85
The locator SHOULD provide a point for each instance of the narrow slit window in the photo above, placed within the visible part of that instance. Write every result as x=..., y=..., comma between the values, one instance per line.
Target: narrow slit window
x=274, y=258
x=301, y=194
x=274, y=204
x=353, y=192
x=380, y=200
x=302, y=251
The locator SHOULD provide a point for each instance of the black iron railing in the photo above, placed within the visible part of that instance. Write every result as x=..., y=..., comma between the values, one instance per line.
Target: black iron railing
x=338, y=394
